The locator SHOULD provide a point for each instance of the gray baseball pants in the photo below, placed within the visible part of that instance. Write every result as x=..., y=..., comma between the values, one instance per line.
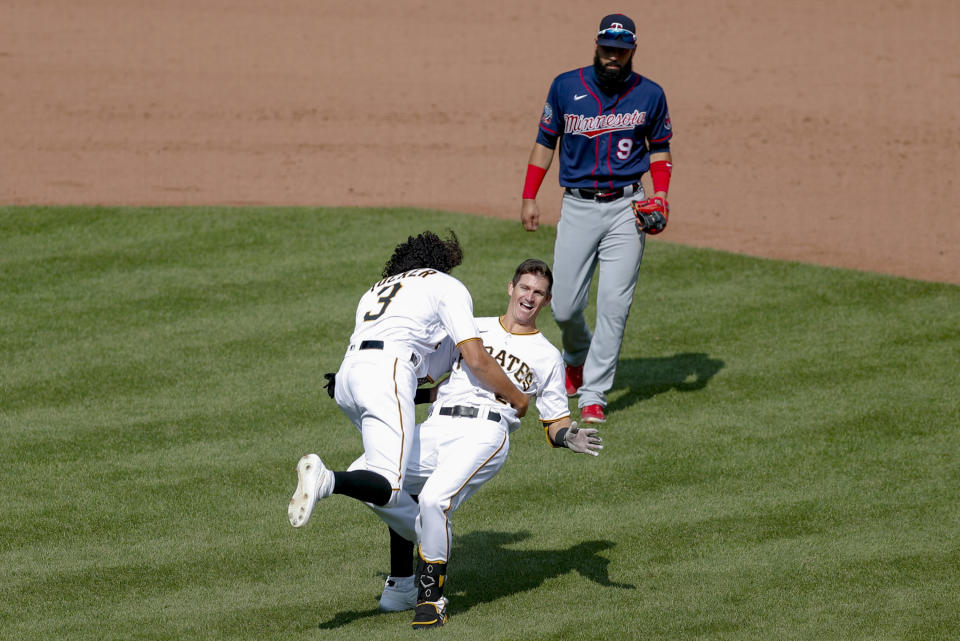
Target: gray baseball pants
x=592, y=235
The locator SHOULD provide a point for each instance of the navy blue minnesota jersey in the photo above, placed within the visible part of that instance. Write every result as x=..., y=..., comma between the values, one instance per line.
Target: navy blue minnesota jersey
x=604, y=139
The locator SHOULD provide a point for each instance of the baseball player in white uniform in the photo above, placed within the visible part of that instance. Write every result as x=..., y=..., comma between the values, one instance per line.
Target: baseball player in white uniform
x=399, y=320
x=465, y=440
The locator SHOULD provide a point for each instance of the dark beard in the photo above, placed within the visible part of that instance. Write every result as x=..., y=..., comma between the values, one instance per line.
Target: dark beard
x=611, y=80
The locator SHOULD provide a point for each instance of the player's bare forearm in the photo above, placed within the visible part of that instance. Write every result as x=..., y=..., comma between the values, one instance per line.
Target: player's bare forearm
x=539, y=162
x=541, y=156
x=556, y=426
x=492, y=375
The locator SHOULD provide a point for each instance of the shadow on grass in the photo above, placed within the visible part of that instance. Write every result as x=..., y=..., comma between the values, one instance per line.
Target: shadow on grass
x=644, y=378
x=485, y=570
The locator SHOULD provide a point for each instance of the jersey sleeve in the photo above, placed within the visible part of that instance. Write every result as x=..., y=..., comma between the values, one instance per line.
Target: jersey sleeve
x=551, y=120
x=456, y=312
x=661, y=131
x=552, y=403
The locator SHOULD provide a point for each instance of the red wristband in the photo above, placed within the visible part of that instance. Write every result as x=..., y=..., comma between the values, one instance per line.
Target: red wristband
x=534, y=178
x=660, y=175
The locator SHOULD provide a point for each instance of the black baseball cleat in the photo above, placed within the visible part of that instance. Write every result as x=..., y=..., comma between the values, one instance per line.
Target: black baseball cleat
x=430, y=614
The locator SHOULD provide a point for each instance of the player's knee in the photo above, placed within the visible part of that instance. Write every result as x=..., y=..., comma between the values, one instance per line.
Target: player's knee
x=561, y=316
x=400, y=519
x=430, y=502
x=564, y=314
x=393, y=501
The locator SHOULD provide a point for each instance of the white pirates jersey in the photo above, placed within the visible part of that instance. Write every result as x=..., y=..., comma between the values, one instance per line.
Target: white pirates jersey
x=438, y=363
x=530, y=361
x=418, y=309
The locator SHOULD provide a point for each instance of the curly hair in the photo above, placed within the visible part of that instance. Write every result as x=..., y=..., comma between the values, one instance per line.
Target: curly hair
x=425, y=250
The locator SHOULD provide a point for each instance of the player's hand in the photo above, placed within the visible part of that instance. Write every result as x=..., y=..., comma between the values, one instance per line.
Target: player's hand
x=530, y=214
x=583, y=441
x=521, y=405
x=652, y=214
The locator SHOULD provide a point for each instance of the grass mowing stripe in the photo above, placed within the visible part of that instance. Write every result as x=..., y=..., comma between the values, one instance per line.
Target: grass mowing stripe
x=781, y=457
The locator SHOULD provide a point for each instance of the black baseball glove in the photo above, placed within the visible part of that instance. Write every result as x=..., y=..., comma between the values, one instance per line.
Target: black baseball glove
x=651, y=214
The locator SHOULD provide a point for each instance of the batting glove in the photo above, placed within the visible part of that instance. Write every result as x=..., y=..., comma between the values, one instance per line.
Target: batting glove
x=583, y=441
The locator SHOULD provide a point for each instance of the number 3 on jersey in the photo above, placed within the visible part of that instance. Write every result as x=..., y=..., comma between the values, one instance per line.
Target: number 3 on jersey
x=624, y=147
x=384, y=301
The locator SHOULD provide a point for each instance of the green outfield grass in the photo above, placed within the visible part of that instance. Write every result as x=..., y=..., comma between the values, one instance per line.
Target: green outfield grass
x=782, y=457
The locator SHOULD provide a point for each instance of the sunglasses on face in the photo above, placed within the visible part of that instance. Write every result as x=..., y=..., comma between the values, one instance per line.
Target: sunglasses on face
x=615, y=33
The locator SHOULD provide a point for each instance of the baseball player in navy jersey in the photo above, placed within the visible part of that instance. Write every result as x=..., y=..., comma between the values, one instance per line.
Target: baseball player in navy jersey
x=399, y=320
x=612, y=126
x=465, y=440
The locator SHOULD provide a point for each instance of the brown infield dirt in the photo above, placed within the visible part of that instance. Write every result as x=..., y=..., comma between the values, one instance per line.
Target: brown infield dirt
x=825, y=132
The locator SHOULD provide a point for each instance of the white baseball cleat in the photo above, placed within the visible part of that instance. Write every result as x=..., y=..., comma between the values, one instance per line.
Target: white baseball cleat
x=399, y=594
x=314, y=482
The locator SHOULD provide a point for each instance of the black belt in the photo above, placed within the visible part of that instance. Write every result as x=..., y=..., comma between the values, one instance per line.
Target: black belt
x=467, y=412
x=379, y=345
x=600, y=195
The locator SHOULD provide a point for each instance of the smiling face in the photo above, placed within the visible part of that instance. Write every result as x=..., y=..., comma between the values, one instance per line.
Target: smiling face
x=527, y=297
